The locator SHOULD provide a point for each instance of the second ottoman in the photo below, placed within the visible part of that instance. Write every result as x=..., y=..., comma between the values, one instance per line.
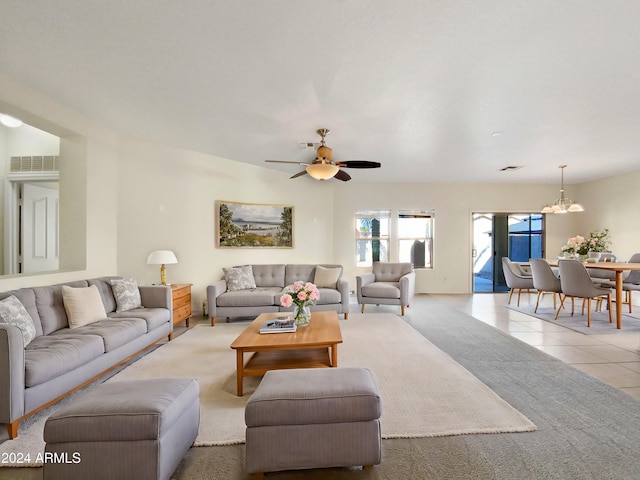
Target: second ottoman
x=313, y=418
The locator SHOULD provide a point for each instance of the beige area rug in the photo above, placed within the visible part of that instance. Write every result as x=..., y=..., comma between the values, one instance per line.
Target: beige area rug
x=424, y=392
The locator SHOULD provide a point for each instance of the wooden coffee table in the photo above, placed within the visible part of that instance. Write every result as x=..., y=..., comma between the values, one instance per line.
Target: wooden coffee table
x=315, y=346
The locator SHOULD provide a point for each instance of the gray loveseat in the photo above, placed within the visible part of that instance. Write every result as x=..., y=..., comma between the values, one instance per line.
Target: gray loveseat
x=60, y=359
x=270, y=280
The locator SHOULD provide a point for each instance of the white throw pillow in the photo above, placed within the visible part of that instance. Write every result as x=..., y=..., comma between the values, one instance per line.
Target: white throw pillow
x=13, y=312
x=239, y=278
x=83, y=305
x=326, y=277
x=126, y=293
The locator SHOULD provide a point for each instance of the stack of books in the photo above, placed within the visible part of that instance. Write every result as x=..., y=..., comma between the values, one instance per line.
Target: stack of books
x=279, y=325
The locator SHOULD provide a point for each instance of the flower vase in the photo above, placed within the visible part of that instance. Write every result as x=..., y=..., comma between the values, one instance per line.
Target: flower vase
x=302, y=315
x=594, y=257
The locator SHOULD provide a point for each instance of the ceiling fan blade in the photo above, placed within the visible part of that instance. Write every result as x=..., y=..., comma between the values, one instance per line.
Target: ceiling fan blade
x=299, y=174
x=358, y=164
x=342, y=175
x=284, y=161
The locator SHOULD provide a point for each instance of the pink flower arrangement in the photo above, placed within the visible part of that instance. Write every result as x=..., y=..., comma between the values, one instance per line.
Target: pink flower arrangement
x=300, y=294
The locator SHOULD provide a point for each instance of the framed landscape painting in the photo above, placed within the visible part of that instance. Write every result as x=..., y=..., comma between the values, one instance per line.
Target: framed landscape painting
x=253, y=225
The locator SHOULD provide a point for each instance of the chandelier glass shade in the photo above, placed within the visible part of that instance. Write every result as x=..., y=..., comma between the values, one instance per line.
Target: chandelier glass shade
x=563, y=204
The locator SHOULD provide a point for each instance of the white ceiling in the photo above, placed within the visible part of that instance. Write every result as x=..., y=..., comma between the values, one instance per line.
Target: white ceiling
x=437, y=91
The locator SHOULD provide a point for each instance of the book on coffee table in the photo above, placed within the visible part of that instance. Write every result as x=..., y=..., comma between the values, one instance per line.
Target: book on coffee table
x=279, y=326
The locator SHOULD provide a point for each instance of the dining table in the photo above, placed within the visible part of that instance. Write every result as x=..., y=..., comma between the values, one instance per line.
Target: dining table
x=619, y=268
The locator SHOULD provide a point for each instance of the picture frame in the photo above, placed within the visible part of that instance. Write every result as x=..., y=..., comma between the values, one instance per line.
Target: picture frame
x=253, y=225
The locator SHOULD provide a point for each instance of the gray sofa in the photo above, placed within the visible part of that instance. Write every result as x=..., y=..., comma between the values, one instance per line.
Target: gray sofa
x=270, y=280
x=60, y=359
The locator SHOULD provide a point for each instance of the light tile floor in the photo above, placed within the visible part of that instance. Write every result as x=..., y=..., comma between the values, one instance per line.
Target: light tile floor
x=613, y=358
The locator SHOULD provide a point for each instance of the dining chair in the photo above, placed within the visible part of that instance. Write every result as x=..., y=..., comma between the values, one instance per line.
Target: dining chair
x=576, y=283
x=544, y=280
x=516, y=279
x=630, y=284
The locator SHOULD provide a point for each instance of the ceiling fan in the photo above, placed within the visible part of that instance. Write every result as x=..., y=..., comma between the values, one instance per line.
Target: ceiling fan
x=323, y=167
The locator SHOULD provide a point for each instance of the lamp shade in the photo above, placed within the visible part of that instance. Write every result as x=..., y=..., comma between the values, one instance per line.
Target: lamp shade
x=161, y=257
x=322, y=171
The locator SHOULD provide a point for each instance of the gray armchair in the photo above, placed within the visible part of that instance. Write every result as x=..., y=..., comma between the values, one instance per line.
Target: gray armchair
x=516, y=278
x=387, y=284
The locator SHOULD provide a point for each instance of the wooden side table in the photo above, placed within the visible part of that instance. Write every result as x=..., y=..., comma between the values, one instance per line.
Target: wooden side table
x=181, y=296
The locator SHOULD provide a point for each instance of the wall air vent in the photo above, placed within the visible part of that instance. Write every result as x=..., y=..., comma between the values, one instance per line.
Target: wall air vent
x=34, y=164
x=511, y=167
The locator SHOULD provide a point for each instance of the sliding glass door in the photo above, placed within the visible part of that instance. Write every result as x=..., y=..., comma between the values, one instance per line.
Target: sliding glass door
x=517, y=236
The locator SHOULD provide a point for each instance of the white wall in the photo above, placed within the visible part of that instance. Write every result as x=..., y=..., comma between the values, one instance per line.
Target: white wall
x=613, y=203
x=167, y=198
x=95, y=150
x=141, y=196
x=453, y=205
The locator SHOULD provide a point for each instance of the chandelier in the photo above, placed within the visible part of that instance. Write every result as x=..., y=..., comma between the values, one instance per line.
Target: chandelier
x=562, y=204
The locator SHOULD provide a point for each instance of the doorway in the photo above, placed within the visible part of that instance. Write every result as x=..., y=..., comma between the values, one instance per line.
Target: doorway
x=518, y=236
x=31, y=225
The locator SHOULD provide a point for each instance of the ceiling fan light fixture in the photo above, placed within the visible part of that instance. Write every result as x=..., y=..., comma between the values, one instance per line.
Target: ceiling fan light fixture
x=322, y=171
x=563, y=204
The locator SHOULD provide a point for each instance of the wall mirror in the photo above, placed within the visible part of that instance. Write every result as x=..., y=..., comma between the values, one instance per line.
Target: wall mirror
x=39, y=204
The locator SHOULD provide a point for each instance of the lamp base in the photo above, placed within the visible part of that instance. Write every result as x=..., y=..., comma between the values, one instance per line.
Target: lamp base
x=163, y=275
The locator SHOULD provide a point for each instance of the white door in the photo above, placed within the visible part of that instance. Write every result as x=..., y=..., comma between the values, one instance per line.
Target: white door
x=39, y=229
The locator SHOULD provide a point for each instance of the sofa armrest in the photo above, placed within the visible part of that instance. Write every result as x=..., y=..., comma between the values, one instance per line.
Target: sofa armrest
x=11, y=373
x=156, y=296
x=361, y=281
x=343, y=287
x=213, y=292
x=407, y=288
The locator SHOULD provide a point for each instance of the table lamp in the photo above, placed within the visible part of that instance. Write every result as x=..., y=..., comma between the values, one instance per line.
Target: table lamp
x=162, y=257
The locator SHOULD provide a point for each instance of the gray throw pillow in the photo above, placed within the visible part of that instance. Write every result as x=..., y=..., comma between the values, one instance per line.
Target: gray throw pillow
x=239, y=278
x=13, y=312
x=126, y=293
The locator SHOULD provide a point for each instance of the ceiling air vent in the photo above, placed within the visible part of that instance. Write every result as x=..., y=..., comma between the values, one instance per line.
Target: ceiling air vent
x=511, y=167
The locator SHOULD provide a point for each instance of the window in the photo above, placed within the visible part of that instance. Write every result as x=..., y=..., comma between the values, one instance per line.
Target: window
x=415, y=237
x=372, y=237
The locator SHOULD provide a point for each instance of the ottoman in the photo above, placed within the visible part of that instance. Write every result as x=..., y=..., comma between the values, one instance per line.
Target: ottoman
x=313, y=418
x=133, y=429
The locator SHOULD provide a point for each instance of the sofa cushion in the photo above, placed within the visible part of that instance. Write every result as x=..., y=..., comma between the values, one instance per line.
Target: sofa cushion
x=153, y=316
x=271, y=275
x=382, y=290
x=83, y=305
x=49, y=356
x=326, y=277
x=14, y=313
x=329, y=296
x=50, y=306
x=239, y=278
x=126, y=293
x=114, y=333
x=250, y=298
